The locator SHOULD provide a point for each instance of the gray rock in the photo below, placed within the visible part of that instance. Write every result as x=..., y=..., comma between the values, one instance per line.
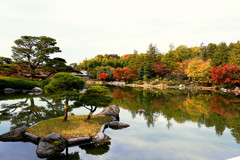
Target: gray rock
x=100, y=136
x=50, y=145
x=101, y=139
x=117, y=125
x=9, y=90
x=111, y=111
x=14, y=135
x=37, y=90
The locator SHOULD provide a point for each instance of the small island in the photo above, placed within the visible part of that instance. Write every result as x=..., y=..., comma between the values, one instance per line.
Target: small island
x=76, y=126
x=53, y=136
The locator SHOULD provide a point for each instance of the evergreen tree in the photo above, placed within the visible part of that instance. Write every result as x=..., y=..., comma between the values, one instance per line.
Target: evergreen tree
x=147, y=71
x=141, y=73
x=152, y=49
x=203, y=52
x=221, y=56
x=211, y=49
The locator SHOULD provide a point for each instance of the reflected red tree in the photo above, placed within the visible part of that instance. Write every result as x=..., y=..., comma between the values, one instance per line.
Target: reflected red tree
x=226, y=108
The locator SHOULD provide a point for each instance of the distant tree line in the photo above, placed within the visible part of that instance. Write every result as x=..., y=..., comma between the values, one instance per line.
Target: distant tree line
x=195, y=64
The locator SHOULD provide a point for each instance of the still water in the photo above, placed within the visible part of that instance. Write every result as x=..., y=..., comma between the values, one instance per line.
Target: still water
x=175, y=124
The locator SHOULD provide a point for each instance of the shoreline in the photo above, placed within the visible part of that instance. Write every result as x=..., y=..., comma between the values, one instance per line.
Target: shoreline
x=162, y=86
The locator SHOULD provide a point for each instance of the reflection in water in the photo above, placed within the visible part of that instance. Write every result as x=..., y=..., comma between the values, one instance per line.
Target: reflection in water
x=26, y=112
x=67, y=156
x=94, y=149
x=201, y=107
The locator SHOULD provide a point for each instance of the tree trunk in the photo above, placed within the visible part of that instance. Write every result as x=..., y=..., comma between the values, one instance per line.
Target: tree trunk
x=91, y=112
x=66, y=111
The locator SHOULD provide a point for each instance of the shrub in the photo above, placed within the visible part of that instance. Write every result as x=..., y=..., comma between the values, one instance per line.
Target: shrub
x=18, y=83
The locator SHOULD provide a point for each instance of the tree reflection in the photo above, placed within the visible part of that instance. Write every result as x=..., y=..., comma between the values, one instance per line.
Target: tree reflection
x=202, y=107
x=26, y=112
x=94, y=149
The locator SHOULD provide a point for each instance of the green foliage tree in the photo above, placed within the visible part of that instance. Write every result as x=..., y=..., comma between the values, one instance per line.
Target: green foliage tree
x=141, y=73
x=211, y=49
x=56, y=65
x=65, y=86
x=147, y=72
x=96, y=96
x=152, y=49
x=235, y=53
x=221, y=56
x=32, y=52
x=203, y=53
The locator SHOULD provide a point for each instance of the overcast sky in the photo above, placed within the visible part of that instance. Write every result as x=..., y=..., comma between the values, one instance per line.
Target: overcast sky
x=86, y=28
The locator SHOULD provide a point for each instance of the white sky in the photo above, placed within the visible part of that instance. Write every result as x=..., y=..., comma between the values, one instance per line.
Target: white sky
x=85, y=28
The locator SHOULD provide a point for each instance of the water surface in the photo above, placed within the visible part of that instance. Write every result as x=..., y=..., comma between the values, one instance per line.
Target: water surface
x=176, y=124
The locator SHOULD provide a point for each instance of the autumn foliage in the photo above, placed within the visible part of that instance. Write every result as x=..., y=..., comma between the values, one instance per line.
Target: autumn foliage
x=223, y=107
x=199, y=70
x=125, y=74
x=103, y=76
x=159, y=69
x=229, y=73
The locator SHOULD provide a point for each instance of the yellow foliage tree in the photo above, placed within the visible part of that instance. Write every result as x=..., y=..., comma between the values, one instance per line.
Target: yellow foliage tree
x=199, y=70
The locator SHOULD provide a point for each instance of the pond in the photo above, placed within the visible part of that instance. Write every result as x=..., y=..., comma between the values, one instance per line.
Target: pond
x=173, y=124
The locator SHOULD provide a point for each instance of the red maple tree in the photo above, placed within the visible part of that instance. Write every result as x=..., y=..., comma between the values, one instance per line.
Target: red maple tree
x=103, y=76
x=229, y=73
x=126, y=74
x=159, y=69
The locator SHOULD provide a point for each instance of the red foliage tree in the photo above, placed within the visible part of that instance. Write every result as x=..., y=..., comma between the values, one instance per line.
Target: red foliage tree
x=229, y=73
x=118, y=74
x=103, y=76
x=126, y=74
x=159, y=69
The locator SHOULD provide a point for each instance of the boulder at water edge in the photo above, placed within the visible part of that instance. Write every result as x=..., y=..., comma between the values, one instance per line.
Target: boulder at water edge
x=37, y=90
x=117, y=125
x=50, y=145
x=9, y=90
x=14, y=135
x=111, y=111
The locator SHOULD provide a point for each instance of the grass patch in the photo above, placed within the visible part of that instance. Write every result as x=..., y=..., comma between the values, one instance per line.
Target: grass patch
x=75, y=126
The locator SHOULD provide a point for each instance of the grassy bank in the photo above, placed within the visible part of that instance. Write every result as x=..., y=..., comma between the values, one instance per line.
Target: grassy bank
x=75, y=126
x=18, y=83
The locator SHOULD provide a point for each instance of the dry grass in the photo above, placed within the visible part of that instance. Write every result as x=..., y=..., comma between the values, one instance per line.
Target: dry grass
x=75, y=126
